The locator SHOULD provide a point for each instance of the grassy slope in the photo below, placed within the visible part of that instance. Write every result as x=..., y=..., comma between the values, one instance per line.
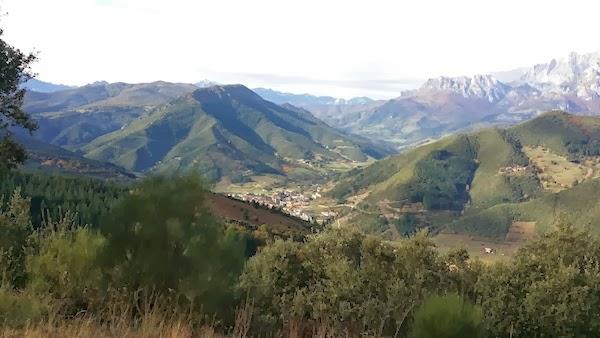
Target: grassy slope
x=495, y=150
x=223, y=130
x=387, y=177
x=496, y=199
x=578, y=206
x=47, y=158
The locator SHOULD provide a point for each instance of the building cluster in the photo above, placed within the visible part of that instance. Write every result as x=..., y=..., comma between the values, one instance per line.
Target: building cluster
x=289, y=202
x=513, y=170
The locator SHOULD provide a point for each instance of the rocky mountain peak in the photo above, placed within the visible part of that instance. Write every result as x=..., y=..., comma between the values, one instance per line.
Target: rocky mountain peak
x=478, y=86
x=577, y=74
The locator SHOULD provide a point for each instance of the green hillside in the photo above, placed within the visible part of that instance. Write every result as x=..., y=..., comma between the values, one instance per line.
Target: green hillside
x=480, y=183
x=48, y=158
x=226, y=130
x=73, y=117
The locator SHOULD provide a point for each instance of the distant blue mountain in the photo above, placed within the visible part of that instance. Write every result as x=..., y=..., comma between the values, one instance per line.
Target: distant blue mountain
x=306, y=100
x=44, y=87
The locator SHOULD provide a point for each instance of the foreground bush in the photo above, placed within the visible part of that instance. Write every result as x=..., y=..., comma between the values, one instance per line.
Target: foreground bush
x=64, y=265
x=15, y=229
x=550, y=288
x=353, y=282
x=20, y=308
x=448, y=316
x=161, y=238
x=161, y=263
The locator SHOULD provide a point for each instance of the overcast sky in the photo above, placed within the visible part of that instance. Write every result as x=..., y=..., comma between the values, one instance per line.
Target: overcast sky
x=341, y=48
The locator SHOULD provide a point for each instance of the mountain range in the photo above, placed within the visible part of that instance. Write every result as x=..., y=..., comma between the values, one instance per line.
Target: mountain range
x=223, y=130
x=104, y=121
x=44, y=87
x=73, y=117
x=170, y=127
x=307, y=100
x=446, y=105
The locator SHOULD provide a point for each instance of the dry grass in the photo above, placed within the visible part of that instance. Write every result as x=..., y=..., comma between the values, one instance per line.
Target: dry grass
x=90, y=327
x=155, y=324
x=476, y=246
x=518, y=235
x=556, y=172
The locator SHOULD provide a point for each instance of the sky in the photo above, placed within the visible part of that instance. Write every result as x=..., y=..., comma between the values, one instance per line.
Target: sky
x=340, y=48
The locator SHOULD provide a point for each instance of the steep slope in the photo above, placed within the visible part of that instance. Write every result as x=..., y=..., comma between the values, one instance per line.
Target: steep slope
x=480, y=183
x=48, y=158
x=73, y=117
x=225, y=130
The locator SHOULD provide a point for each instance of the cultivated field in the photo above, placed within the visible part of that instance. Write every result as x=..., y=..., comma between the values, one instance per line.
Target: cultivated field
x=518, y=234
x=557, y=173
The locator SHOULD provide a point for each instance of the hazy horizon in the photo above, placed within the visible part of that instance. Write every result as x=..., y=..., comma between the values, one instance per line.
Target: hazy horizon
x=338, y=48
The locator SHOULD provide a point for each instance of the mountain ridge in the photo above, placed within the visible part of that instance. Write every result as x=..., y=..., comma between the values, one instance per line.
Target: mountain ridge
x=224, y=130
x=496, y=176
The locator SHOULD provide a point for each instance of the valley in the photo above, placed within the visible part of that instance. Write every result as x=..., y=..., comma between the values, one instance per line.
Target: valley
x=299, y=169
x=467, y=159
x=467, y=189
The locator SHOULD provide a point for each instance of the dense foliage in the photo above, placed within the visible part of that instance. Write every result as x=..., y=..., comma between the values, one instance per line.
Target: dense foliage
x=53, y=195
x=160, y=241
x=551, y=288
x=442, y=179
x=356, y=283
x=162, y=236
x=583, y=148
x=14, y=68
x=448, y=316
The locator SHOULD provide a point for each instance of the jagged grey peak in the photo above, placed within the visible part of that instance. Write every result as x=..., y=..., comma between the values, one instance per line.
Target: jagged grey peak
x=577, y=74
x=479, y=86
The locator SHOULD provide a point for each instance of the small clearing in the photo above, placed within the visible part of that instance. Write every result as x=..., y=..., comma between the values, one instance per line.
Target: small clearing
x=518, y=235
x=556, y=173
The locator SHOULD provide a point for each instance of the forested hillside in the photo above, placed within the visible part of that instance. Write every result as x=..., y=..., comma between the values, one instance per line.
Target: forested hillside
x=481, y=183
x=222, y=130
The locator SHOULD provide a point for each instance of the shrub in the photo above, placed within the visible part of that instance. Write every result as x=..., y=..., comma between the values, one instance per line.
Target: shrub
x=161, y=237
x=550, y=288
x=447, y=316
x=15, y=228
x=18, y=308
x=356, y=283
x=65, y=267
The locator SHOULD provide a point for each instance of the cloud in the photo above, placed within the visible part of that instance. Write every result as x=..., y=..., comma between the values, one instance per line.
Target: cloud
x=379, y=88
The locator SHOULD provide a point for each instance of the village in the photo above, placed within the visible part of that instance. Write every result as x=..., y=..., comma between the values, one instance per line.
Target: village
x=289, y=202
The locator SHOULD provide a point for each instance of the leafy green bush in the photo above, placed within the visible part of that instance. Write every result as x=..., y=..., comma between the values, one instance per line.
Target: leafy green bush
x=447, y=316
x=356, y=283
x=64, y=266
x=161, y=237
x=15, y=228
x=550, y=288
x=18, y=308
